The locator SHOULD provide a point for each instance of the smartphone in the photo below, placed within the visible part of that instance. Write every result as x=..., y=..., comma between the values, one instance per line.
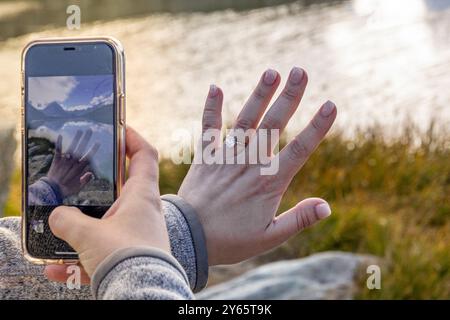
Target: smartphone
x=73, y=136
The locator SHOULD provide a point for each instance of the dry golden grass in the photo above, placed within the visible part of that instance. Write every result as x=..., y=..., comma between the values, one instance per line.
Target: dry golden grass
x=390, y=198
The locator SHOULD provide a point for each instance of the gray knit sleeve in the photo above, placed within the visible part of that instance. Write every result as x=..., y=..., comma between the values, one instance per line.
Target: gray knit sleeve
x=20, y=279
x=140, y=273
x=133, y=274
x=44, y=192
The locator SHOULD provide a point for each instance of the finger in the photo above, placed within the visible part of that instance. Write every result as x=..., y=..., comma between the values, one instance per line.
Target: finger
x=212, y=118
x=75, y=170
x=306, y=213
x=258, y=101
x=90, y=154
x=71, y=225
x=58, y=146
x=74, y=142
x=143, y=157
x=287, y=102
x=86, y=178
x=83, y=143
x=294, y=155
x=59, y=273
x=212, y=114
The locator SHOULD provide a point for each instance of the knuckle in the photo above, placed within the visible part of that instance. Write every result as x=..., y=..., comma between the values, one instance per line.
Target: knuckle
x=271, y=122
x=290, y=93
x=209, y=122
x=259, y=93
x=305, y=218
x=302, y=222
x=210, y=117
x=317, y=125
x=210, y=107
x=243, y=123
x=298, y=150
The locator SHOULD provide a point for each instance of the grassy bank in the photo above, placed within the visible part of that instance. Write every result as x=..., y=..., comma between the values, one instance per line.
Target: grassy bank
x=389, y=198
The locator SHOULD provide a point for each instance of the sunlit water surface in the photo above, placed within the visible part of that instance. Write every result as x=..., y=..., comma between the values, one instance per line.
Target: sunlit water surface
x=379, y=61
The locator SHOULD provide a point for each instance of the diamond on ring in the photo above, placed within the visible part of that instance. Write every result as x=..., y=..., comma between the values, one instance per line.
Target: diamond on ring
x=231, y=141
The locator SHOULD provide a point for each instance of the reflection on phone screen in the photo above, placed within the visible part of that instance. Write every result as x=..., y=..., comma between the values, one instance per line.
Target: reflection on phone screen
x=70, y=148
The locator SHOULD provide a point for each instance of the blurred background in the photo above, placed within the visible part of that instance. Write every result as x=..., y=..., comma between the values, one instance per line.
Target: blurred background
x=385, y=63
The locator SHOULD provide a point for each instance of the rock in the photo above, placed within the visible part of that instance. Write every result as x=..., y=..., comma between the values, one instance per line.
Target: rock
x=327, y=275
x=39, y=165
x=7, y=147
x=223, y=273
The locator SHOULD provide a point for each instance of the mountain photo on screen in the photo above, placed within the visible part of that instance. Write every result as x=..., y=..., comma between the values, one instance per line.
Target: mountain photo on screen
x=70, y=143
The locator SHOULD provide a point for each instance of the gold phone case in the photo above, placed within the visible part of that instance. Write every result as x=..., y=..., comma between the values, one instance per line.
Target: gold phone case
x=120, y=126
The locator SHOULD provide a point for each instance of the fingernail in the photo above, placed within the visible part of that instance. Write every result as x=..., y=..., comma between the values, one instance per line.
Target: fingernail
x=213, y=91
x=270, y=76
x=323, y=210
x=296, y=75
x=327, y=108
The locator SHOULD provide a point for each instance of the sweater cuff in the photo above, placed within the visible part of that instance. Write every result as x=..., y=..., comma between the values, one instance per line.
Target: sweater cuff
x=120, y=255
x=198, y=239
x=55, y=188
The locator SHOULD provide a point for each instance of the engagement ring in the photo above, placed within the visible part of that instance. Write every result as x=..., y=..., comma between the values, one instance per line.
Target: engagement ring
x=231, y=141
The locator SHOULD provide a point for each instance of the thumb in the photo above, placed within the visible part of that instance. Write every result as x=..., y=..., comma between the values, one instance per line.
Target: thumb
x=71, y=225
x=306, y=213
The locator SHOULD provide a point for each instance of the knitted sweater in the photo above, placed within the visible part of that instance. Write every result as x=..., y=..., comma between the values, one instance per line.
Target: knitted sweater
x=133, y=273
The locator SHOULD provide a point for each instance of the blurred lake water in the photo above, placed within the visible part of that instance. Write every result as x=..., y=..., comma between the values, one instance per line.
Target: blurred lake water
x=380, y=61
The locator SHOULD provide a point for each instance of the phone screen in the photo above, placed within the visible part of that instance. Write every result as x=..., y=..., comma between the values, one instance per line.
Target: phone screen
x=69, y=137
